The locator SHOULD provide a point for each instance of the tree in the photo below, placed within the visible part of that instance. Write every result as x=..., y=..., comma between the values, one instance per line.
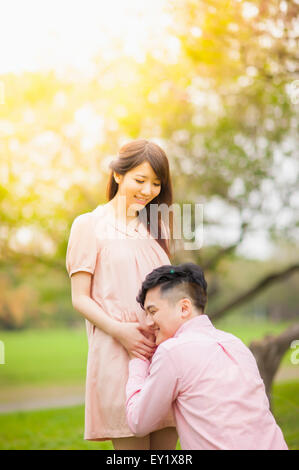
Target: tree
x=269, y=352
x=221, y=105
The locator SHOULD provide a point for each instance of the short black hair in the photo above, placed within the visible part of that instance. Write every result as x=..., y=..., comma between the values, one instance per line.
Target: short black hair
x=189, y=276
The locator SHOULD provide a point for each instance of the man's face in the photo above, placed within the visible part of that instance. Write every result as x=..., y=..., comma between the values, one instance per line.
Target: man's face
x=162, y=315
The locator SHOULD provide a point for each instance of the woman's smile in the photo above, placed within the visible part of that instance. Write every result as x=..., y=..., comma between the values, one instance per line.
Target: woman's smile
x=141, y=200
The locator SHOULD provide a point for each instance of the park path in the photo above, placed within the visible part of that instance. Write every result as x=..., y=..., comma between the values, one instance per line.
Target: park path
x=29, y=398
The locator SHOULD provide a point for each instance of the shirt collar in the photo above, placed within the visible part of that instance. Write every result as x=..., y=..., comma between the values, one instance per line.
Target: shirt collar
x=199, y=322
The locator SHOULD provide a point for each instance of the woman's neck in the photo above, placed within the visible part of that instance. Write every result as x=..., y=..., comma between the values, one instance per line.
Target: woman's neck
x=121, y=210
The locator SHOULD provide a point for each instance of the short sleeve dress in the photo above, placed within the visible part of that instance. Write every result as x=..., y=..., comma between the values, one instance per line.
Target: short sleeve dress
x=119, y=258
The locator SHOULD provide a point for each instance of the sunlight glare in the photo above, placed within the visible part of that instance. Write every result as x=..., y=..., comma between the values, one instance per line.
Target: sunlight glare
x=38, y=35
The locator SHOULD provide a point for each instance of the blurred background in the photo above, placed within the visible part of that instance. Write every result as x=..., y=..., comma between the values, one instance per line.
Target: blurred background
x=216, y=84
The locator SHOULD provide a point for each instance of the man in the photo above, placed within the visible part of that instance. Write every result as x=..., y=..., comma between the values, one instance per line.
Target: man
x=209, y=377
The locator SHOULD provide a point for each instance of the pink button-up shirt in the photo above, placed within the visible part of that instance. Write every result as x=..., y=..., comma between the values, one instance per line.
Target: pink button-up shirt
x=212, y=381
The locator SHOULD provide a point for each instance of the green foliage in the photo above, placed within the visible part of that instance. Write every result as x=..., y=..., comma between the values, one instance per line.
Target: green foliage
x=221, y=109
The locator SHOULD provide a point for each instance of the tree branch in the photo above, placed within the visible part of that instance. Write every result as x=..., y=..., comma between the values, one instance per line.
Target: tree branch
x=266, y=282
x=211, y=263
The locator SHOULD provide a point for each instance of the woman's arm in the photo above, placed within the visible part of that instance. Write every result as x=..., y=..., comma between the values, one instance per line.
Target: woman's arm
x=84, y=304
x=128, y=334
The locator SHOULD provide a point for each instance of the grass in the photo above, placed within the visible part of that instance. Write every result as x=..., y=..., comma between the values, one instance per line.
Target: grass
x=58, y=356
x=43, y=357
x=62, y=429
x=285, y=398
x=47, y=429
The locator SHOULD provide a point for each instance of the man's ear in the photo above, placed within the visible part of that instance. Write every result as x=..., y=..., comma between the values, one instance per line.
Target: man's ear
x=186, y=306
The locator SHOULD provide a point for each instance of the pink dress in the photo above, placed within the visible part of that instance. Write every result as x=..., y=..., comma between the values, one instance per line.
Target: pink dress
x=119, y=258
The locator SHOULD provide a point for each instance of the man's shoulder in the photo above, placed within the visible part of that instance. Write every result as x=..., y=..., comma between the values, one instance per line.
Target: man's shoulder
x=201, y=338
x=225, y=336
x=167, y=345
x=172, y=345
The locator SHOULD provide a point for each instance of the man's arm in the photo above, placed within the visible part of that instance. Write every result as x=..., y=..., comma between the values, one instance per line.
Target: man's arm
x=150, y=391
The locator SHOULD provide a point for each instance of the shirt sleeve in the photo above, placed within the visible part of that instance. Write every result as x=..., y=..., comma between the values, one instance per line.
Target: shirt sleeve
x=81, y=251
x=150, y=391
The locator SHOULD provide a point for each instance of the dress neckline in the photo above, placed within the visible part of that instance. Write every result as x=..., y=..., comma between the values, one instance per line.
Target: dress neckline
x=134, y=230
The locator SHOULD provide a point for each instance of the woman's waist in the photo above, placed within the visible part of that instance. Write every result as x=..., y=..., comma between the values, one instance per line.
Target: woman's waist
x=121, y=312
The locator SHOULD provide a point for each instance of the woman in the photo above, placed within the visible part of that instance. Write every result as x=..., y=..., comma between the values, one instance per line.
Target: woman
x=110, y=252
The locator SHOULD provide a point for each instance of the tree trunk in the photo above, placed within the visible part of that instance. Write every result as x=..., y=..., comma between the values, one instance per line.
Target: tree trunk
x=269, y=351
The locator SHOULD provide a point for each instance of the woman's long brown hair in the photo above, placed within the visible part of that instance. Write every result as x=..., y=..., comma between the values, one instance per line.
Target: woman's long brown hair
x=133, y=154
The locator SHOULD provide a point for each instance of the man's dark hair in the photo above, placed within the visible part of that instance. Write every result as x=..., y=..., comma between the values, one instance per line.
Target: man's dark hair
x=176, y=282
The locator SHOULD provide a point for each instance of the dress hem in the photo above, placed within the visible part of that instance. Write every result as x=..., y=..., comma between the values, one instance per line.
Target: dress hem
x=107, y=438
x=122, y=435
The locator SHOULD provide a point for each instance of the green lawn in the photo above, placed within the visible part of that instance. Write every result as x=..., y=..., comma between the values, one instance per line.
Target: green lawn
x=285, y=397
x=58, y=356
x=63, y=428
x=43, y=357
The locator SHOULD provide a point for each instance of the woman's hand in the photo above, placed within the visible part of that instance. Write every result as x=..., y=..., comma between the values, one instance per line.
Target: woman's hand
x=130, y=335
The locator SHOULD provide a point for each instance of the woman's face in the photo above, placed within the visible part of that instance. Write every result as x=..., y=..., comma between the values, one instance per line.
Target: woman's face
x=139, y=186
